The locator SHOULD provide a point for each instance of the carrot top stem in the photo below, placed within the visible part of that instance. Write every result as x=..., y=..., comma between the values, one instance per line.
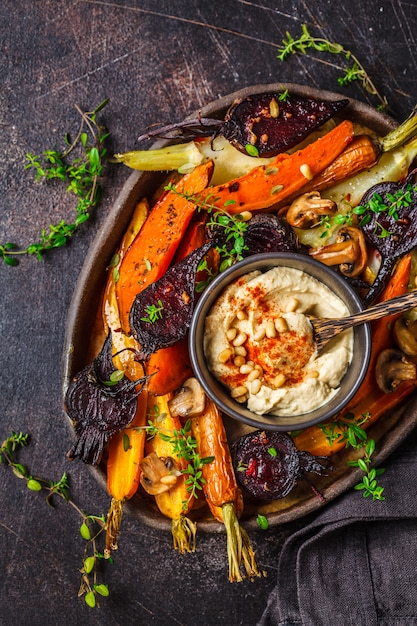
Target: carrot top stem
x=184, y=533
x=239, y=548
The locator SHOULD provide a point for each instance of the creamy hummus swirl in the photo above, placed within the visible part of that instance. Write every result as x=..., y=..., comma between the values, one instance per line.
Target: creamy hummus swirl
x=259, y=342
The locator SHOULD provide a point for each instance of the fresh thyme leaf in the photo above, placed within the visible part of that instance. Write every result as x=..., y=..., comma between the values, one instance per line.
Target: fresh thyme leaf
x=348, y=430
x=351, y=73
x=91, y=526
x=154, y=313
x=80, y=174
x=184, y=445
x=233, y=226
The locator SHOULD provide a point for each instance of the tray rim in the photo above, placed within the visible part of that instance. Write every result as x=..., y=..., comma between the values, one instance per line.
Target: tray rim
x=91, y=279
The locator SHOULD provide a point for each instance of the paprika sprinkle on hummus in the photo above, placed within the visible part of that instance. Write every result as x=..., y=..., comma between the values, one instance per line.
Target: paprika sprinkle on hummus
x=259, y=342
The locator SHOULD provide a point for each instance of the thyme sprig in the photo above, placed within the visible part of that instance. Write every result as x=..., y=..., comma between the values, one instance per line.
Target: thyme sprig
x=91, y=525
x=395, y=202
x=154, y=312
x=351, y=73
x=80, y=173
x=233, y=225
x=184, y=446
x=349, y=431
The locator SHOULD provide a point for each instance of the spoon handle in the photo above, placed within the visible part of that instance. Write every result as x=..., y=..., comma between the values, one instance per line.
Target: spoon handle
x=328, y=328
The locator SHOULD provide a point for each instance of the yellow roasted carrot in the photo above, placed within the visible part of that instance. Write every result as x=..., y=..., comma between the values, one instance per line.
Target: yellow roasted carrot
x=176, y=501
x=126, y=448
x=222, y=491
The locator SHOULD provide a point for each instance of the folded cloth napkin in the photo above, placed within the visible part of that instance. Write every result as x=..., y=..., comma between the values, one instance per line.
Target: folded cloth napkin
x=355, y=563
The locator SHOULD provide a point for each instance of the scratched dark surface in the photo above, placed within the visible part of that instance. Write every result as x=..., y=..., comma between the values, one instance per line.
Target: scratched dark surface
x=156, y=60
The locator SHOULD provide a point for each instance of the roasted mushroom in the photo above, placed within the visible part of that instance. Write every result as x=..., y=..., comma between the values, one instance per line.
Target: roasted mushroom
x=158, y=474
x=189, y=401
x=307, y=210
x=392, y=368
x=405, y=335
x=348, y=252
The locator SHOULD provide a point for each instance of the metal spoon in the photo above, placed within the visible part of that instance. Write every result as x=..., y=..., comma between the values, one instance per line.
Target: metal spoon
x=325, y=328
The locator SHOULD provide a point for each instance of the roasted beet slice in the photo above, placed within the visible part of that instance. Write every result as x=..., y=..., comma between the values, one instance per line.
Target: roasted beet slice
x=161, y=314
x=273, y=123
x=269, y=122
x=389, y=222
x=268, y=464
x=97, y=407
x=269, y=233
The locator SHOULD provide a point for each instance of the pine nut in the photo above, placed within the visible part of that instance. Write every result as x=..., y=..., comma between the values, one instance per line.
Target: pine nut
x=242, y=399
x=169, y=479
x=313, y=374
x=245, y=368
x=274, y=108
x=256, y=386
x=240, y=339
x=225, y=355
x=259, y=334
x=305, y=169
x=251, y=363
x=291, y=305
x=239, y=361
x=279, y=380
x=238, y=391
x=253, y=375
x=242, y=315
x=281, y=325
x=246, y=216
x=270, y=329
x=231, y=333
x=240, y=351
x=259, y=368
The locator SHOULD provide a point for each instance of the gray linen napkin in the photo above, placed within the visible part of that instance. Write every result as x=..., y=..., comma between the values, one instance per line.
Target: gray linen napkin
x=355, y=563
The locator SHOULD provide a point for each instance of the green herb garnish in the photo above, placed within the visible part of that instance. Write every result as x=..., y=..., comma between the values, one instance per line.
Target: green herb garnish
x=81, y=177
x=354, y=72
x=348, y=430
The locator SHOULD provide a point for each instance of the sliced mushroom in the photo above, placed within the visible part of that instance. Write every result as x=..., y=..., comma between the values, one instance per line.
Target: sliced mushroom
x=307, y=210
x=405, y=335
x=392, y=368
x=348, y=252
x=189, y=401
x=158, y=474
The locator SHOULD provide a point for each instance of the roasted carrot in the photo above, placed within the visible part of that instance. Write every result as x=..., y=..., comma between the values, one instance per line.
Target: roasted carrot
x=360, y=155
x=221, y=490
x=126, y=448
x=169, y=367
x=176, y=502
x=369, y=398
x=152, y=251
x=266, y=185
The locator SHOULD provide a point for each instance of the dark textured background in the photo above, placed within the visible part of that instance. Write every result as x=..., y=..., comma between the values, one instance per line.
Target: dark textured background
x=156, y=61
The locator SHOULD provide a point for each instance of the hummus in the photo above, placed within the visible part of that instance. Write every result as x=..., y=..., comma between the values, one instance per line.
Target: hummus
x=259, y=342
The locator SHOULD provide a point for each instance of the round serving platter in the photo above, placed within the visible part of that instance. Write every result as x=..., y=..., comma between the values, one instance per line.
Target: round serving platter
x=84, y=336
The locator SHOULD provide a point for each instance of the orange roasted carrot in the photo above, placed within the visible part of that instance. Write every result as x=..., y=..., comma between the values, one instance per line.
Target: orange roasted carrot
x=360, y=155
x=222, y=491
x=126, y=450
x=369, y=398
x=176, y=502
x=266, y=185
x=169, y=367
x=153, y=249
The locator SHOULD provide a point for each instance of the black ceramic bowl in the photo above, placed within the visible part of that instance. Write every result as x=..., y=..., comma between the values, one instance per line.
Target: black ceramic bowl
x=221, y=395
